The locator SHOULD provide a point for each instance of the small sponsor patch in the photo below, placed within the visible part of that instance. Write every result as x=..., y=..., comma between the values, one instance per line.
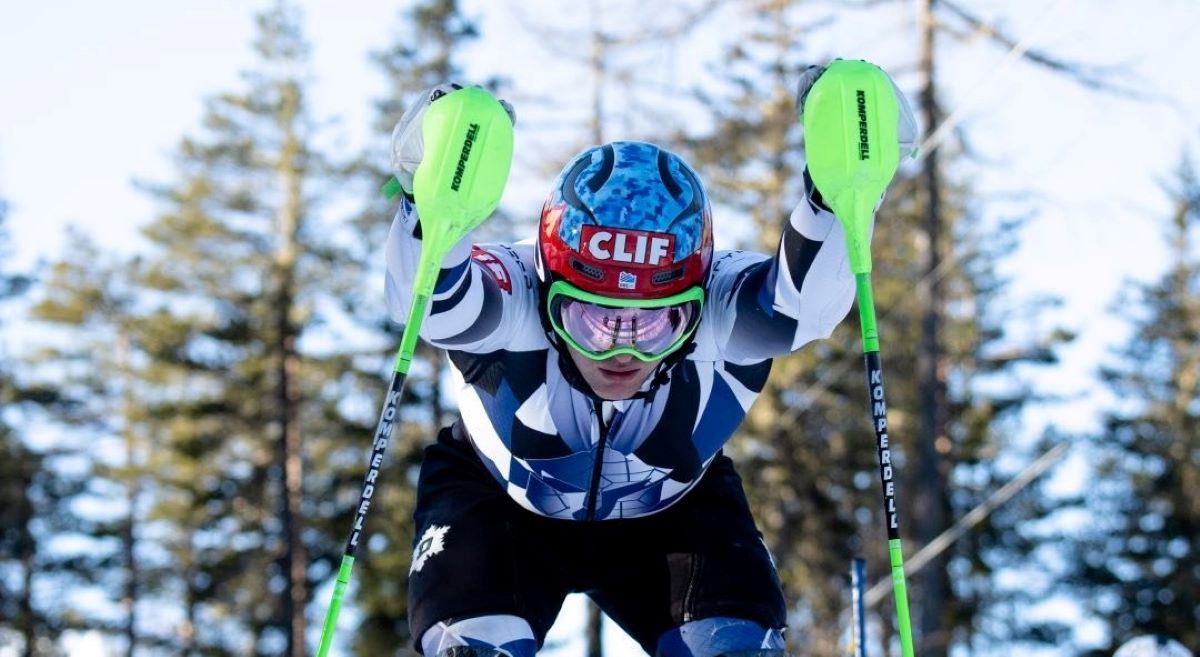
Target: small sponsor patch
x=432, y=542
x=493, y=266
x=627, y=281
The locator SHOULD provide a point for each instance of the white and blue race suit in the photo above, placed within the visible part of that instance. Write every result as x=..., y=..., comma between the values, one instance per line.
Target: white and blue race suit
x=556, y=449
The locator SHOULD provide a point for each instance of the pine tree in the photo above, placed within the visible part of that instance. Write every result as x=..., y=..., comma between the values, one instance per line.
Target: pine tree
x=807, y=444
x=41, y=480
x=20, y=620
x=410, y=65
x=801, y=463
x=87, y=294
x=20, y=623
x=946, y=616
x=238, y=313
x=1137, y=565
x=428, y=42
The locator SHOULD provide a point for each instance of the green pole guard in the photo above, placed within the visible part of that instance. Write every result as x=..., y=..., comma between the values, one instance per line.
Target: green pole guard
x=468, y=141
x=851, y=138
x=468, y=152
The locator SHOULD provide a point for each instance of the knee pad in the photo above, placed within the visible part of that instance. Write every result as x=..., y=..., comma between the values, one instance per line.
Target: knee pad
x=721, y=637
x=482, y=636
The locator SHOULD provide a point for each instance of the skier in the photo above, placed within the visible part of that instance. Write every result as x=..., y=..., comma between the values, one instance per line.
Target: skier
x=600, y=369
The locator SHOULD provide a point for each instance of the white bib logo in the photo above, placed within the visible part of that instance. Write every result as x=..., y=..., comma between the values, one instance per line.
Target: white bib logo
x=432, y=542
x=629, y=247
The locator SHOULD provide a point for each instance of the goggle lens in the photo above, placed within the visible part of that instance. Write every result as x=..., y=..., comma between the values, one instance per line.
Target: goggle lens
x=651, y=331
x=601, y=327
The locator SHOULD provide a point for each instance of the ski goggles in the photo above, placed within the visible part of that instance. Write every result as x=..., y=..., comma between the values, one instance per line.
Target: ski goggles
x=601, y=327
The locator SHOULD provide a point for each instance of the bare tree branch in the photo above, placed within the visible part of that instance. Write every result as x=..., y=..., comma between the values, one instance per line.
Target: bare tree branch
x=862, y=4
x=1097, y=78
x=565, y=43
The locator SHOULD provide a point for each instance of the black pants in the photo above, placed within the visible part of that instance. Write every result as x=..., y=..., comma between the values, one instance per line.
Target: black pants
x=484, y=554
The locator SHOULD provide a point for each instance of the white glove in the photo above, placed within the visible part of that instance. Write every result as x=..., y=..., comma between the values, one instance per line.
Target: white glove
x=408, y=146
x=906, y=128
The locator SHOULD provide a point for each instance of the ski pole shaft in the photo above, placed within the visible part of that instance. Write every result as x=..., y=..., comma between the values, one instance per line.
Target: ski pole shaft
x=383, y=434
x=874, y=368
x=335, y=604
x=858, y=617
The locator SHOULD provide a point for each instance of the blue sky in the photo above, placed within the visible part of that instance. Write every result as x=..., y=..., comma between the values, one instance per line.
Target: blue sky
x=95, y=95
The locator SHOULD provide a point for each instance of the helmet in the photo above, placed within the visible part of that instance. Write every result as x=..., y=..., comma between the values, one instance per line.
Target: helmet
x=626, y=220
x=627, y=226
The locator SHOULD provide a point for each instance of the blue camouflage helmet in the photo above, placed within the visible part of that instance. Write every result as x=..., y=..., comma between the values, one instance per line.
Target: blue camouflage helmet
x=626, y=220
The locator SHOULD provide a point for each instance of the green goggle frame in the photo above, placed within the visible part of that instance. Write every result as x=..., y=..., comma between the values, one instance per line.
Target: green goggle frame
x=565, y=289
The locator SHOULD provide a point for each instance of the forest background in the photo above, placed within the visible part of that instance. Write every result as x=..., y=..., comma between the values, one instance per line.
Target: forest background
x=194, y=344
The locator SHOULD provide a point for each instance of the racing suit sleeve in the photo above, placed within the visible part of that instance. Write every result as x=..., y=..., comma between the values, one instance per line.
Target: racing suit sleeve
x=762, y=307
x=484, y=296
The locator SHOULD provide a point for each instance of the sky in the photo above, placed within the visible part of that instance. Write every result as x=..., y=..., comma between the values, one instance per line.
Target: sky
x=94, y=96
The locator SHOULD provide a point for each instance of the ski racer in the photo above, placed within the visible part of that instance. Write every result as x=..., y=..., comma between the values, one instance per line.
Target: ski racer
x=600, y=368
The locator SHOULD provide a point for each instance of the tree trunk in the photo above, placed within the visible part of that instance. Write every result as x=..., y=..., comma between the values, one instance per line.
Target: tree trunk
x=128, y=531
x=26, y=623
x=294, y=559
x=129, y=596
x=295, y=596
x=191, y=600
x=930, y=489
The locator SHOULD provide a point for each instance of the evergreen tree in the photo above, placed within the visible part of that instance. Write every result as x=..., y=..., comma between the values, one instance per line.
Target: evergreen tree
x=1137, y=564
x=945, y=616
x=800, y=465
x=942, y=614
x=20, y=623
x=87, y=294
x=254, y=393
x=41, y=480
x=807, y=444
x=425, y=51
